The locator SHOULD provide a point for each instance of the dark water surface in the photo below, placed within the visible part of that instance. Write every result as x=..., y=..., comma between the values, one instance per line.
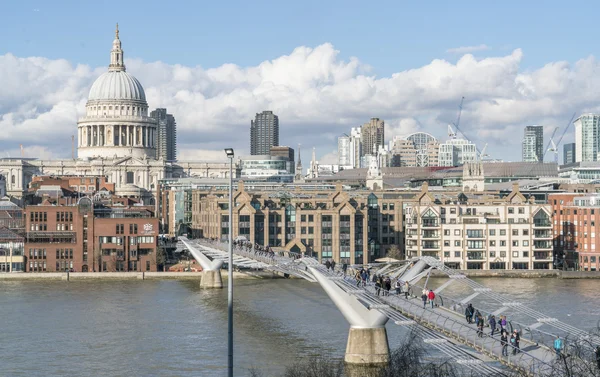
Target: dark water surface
x=173, y=328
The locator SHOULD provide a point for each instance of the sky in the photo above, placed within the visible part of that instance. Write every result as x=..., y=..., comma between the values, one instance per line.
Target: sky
x=322, y=67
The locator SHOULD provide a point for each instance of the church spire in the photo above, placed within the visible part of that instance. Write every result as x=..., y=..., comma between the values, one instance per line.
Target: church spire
x=116, y=54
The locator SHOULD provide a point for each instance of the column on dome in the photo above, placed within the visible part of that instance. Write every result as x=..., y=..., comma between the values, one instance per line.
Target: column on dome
x=102, y=135
x=88, y=142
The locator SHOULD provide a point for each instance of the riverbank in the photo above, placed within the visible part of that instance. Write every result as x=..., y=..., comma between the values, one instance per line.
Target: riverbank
x=527, y=274
x=67, y=276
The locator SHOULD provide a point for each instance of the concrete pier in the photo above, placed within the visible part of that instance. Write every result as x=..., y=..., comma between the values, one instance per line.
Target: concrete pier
x=211, y=279
x=367, y=347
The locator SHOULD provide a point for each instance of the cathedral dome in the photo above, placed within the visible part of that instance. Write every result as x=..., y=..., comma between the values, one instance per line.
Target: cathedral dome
x=117, y=85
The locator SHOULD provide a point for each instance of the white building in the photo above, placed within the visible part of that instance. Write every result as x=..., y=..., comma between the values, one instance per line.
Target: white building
x=456, y=152
x=116, y=139
x=509, y=233
x=587, y=137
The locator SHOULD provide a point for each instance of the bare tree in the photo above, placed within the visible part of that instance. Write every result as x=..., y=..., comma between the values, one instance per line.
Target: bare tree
x=394, y=252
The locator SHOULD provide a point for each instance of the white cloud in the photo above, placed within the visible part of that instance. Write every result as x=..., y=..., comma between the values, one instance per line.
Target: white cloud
x=317, y=96
x=468, y=49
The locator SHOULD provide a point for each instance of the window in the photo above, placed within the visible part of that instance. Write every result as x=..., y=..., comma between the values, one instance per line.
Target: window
x=515, y=254
x=525, y=243
x=503, y=254
x=453, y=211
x=492, y=254
x=302, y=218
x=456, y=232
x=511, y=210
x=457, y=254
x=502, y=243
x=147, y=265
x=515, y=243
x=503, y=232
x=446, y=254
x=311, y=218
x=446, y=232
x=515, y=232
x=521, y=211
x=525, y=232
x=492, y=232
x=119, y=229
x=457, y=243
x=492, y=243
x=526, y=254
x=447, y=243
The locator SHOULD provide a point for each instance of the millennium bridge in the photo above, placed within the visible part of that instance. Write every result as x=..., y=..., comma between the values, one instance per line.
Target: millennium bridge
x=443, y=327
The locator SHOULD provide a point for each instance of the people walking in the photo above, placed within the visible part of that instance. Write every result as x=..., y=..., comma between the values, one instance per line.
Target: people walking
x=503, y=322
x=492, y=322
x=504, y=342
x=480, y=322
x=515, y=340
x=477, y=316
x=398, y=287
x=469, y=313
x=332, y=265
x=558, y=346
x=365, y=278
x=388, y=285
x=345, y=268
x=424, y=298
x=377, y=287
x=358, y=278
x=406, y=289
x=328, y=264
x=431, y=297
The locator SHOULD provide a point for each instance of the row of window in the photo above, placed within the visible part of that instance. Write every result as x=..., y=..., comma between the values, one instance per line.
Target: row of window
x=132, y=240
x=120, y=266
x=38, y=216
x=493, y=254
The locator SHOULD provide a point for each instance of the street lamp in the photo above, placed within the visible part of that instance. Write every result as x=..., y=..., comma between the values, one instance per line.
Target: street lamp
x=230, y=154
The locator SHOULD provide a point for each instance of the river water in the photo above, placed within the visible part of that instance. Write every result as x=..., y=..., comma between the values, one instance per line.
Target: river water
x=174, y=328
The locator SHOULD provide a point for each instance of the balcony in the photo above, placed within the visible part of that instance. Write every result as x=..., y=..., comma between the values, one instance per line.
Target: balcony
x=428, y=235
x=476, y=256
x=542, y=255
x=430, y=224
x=542, y=224
x=430, y=246
x=542, y=235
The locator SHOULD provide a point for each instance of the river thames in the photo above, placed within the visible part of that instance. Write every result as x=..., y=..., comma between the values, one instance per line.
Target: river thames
x=174, y=328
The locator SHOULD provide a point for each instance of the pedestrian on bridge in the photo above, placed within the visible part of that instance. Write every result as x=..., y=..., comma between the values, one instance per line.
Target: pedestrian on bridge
x=424, y=297
x=406, y=289
x=345, y=268
x=469, y=313
x=358, y=278
x=398, y=287
x=515, y=341
x=502, y=322
x=328, y=264
x=387, y=285
x=504, y=342
x=332, y=265
x=431, y=297
x=477, y=317
x=480, y=322
x=558, y=346
x=378, y=282
x=365, y=278
x=492, y=322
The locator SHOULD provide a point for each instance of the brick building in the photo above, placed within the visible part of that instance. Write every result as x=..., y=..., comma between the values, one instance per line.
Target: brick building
x=90, y=237
x=576, y=223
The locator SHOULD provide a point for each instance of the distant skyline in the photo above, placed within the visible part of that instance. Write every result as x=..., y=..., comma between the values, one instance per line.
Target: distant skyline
x=321, y=67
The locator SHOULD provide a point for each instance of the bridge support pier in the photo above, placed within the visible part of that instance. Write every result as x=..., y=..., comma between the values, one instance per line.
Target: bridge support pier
x=367, y=347
x=211, y=279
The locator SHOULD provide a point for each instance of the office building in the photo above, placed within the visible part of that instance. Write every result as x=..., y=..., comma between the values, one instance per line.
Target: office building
x=166, y=135
x=417, y=149
x=569, y=154
x=264, y=133
x=455, y=152
x=344, y=151
x=587, y=137
x=532, y=146
x=372, y=136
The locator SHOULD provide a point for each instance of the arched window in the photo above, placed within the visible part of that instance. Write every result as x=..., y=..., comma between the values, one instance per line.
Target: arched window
x=12, y=179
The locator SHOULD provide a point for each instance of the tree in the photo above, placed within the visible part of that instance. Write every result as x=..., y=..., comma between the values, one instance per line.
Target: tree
x=394, y=252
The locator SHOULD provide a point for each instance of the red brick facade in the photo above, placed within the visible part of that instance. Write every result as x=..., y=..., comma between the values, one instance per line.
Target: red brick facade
x=80, y=238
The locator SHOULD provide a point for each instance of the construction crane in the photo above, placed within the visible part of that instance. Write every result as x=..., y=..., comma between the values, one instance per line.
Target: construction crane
x=550, y=142
x=451, y=132
x=554, y=146
x=483, y=154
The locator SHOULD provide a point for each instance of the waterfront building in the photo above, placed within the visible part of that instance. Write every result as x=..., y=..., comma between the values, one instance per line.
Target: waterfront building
x=532, y=147
x=116, y=138
x=11, y=216
x=576, y=223
x=11, y=251
x=87, y=236
x=166, y=142
x=480, y=233
x=327, y=222
x=372, y=136
x=264, y=133
x=587, y=137
x=344, y=151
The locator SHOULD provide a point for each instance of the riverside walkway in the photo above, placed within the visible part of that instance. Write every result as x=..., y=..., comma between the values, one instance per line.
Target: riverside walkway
x=443, y=327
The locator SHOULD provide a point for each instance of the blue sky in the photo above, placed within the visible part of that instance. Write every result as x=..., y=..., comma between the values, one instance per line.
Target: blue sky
x=323, y=66
x=388, y=35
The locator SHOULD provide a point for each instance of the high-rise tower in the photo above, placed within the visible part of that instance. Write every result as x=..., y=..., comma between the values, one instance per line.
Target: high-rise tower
x=264, y=133
x=166, y=136
x=372, y=135
x=533, y=144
